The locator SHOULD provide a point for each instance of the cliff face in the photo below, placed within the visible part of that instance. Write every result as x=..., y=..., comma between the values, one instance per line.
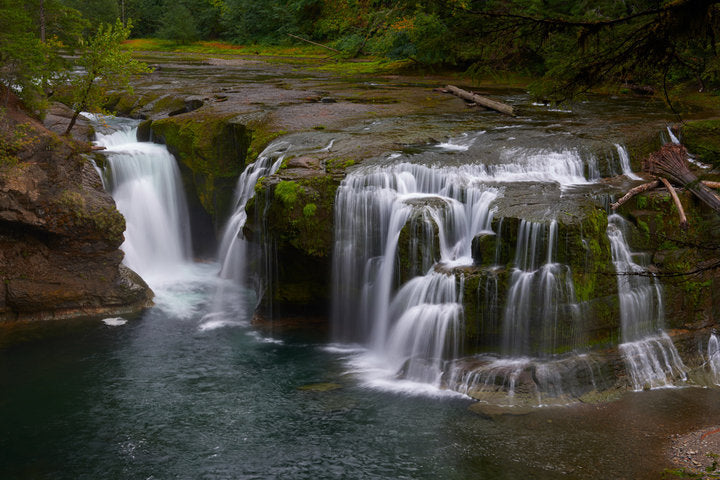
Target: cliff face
x=59, y=231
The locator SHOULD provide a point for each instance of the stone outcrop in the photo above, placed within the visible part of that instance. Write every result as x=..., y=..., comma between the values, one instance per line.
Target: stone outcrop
x=59, y=231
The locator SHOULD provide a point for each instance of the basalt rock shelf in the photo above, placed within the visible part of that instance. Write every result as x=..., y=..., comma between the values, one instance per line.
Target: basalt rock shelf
x=59, y=234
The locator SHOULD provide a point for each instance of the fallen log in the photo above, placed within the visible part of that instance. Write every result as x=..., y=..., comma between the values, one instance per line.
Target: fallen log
x=711, y=184
x=634, y=191
x=671, y=162
x=678, y=205
x=480, y=100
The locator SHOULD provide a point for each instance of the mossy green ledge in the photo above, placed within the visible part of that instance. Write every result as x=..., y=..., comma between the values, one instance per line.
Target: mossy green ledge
x=212, y=149
x=702, y=138
x=292, y=216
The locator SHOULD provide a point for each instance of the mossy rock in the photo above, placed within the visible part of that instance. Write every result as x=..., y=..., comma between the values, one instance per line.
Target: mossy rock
x=214, y=150
x=702, y=138
x=675, y=253
x=296, y=218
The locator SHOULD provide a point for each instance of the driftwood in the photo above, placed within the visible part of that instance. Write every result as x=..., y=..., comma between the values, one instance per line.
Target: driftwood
x=97, y=147
x=678, y=205
x=482, y=101
x=634, y=191
x=671, y=162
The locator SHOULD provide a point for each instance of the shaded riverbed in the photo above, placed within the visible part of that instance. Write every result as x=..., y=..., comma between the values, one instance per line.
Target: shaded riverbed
x=165, y=396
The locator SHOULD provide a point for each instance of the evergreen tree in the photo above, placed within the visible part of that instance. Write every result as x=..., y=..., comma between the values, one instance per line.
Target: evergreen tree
x=178, y=25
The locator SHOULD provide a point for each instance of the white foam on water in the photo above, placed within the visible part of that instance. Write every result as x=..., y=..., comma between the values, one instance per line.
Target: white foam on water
x=114, y=322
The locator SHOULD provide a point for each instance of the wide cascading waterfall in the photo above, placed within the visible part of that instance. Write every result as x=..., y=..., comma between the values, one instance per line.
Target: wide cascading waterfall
x=650, y=356
x=415, y=329
x=144, y=180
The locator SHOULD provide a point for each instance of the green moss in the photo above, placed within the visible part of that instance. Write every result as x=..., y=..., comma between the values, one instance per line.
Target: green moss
x=338, y=165
x=287, y=192
x=213, y=150
x=702, y=138
x=309, y=210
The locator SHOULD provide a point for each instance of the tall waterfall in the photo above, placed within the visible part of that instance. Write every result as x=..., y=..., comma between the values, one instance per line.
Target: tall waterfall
x=144, y=180
x=650, y=355
x=713, y=360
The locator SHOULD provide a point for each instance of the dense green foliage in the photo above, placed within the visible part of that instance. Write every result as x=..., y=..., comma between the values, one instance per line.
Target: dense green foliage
x=104, y=65
x=565, y=47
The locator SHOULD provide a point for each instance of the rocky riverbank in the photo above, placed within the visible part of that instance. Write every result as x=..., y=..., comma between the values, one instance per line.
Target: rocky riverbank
x=60, y=232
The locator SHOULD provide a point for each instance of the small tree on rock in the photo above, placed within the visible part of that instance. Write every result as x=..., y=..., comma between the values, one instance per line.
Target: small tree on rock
x=105, y=65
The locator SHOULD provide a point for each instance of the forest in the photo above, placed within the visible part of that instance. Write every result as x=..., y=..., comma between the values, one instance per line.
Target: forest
x=562, y=48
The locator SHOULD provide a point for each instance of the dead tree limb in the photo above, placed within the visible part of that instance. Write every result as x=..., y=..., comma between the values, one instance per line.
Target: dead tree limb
x=676, y=199
x=671, y=162
x=314, y=43
x=483, y=101
x=634, y=191
x=711, y=184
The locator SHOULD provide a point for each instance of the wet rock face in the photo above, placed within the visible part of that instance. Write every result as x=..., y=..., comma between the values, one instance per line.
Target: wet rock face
x=60, y=235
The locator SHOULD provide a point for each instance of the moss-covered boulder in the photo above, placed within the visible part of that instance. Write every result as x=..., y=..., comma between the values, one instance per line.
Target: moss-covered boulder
x=292, y=217
x=702, y=138
x=212, y=151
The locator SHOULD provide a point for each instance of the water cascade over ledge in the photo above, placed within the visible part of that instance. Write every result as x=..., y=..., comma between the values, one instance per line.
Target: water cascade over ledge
x=144, y=180
x=650, y=356
x=405, y=235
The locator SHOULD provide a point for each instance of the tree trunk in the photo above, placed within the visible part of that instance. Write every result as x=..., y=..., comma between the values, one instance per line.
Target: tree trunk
x=42, y=21
x=483, y=101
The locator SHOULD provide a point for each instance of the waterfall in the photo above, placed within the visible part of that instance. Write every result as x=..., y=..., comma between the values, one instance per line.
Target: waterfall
x=649, y=354
x=625, y=162
x=713, y=360
x=416, y=328
x=235, y=250
x=144, y=180
x=541, y=292
x=233, y=246
x=231, y=297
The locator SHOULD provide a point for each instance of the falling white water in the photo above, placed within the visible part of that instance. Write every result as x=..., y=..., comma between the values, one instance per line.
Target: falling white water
x=231, y=298
x=565, y=167
x=144, y=180
x=460, y=144
x=412, y=331
x=233, y=244
x=674, y=139
x=522, y=380
x=713, y=360
x=540, y=296
x=625, y=162
x=649, y=353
